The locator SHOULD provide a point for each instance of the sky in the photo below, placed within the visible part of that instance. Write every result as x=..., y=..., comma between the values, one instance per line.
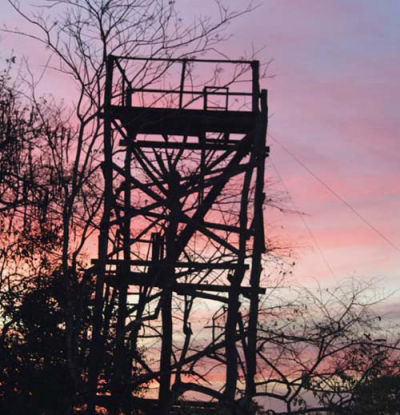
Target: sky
x=334, y=129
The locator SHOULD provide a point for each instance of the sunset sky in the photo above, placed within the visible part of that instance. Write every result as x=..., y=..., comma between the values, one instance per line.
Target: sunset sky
x=334, y=131
x=334, y=97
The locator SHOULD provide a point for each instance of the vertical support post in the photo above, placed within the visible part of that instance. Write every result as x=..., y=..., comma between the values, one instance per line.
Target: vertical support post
x=123, y=95
x=182, y=84
x=236, y=280
x=164, y=396
x=258, y=246
x=95, y=358
x=120, y=384
x=255, y=68
x=128, y=95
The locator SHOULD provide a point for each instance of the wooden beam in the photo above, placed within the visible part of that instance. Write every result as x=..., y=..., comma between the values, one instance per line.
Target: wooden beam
x=229, y=146
x=138, y=120
x=148, y=280
x=194, y=265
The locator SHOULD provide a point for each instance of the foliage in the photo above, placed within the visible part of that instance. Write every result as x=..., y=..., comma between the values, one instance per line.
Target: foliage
x=378, y=396
x=34, y=376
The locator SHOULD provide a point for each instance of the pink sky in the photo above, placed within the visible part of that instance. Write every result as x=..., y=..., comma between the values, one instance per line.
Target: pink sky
x=334, y=105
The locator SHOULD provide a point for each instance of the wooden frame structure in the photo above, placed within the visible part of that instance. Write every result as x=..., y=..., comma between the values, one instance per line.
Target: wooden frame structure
x=182, y=235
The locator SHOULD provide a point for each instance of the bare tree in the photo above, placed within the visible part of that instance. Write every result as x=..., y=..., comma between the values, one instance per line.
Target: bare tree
x=31, y=133
x=29, y=184
x=317, y=352
x=79, y=35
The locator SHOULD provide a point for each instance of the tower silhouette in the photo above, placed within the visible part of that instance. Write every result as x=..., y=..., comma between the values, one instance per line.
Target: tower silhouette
x=181, y=236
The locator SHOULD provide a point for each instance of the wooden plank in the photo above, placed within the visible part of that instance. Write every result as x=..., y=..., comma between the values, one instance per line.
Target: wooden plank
x=182, y=288
x=229, y=146
x=194, y=265
x=137, y=120
x=148, y=280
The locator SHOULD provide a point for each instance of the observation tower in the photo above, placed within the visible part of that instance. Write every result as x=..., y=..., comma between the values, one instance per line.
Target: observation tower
x=181, y=237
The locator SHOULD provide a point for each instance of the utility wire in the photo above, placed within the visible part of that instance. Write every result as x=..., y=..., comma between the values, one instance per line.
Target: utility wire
x=334, y=193
x=303, y=219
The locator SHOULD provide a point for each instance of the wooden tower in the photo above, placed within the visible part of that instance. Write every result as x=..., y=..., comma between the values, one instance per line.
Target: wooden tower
x=181, y=238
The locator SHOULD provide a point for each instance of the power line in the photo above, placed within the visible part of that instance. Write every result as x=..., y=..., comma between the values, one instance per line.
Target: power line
x=310, y=232
x=333, y=192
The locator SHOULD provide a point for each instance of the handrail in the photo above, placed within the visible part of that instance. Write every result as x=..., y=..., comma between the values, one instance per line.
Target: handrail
x=128, y=90
x=234, y=61
x=194, y=92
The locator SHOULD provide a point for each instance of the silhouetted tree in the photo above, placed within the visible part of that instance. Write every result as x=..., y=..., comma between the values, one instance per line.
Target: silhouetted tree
x=34, y=376
x=323, y=351
x=80, y=34
x=378, y=396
